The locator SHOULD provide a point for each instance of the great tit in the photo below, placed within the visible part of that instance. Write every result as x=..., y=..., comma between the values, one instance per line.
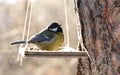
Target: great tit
x=50, y=39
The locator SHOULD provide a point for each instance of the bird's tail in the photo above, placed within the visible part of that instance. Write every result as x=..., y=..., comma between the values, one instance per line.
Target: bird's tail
x=18, y=42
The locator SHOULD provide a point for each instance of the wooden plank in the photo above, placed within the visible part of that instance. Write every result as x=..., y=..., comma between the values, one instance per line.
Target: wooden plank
x=55, y=54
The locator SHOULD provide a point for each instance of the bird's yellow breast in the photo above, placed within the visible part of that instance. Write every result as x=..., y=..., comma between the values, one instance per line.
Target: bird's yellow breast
x=53, y=44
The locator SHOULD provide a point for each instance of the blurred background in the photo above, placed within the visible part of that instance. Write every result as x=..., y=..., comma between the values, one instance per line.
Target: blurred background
x=12, y=16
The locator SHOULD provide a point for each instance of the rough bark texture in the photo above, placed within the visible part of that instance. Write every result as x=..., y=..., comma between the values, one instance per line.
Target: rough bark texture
x=100, y=21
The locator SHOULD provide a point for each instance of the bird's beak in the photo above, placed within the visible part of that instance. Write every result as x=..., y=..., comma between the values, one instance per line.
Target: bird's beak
x=60, y=25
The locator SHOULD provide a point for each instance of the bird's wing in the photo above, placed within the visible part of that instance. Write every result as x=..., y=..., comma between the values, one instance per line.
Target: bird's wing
x=39, y=38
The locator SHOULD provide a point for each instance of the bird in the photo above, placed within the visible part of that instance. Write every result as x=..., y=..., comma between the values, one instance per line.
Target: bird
x=50, y=39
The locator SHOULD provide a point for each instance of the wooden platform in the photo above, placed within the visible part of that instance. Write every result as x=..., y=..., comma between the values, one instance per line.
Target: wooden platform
x=66, y=52
x=55, y=54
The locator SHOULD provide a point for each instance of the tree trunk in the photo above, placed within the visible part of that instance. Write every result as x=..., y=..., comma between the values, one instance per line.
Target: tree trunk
x=100, y=24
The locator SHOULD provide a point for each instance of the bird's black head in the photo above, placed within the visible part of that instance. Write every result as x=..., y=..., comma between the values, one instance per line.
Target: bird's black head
x=55, y=27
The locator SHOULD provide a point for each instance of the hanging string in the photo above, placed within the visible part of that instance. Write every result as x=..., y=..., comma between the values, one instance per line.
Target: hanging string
x=79, y=33
x=21, y=48
x=25, y=23
x=66, y=23
x=29, y=22
x=24, y=31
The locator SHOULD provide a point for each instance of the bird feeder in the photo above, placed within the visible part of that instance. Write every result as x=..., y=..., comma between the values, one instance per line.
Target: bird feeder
x=65, y=52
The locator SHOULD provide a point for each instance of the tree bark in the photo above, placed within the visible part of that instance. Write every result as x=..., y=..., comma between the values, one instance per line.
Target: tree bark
x=100, y=24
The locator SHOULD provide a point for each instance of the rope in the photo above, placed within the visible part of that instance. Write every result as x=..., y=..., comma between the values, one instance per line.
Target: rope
x=21, y=48
x=66, y=23
x=25, y=23
x=29, y=23
x=80, y=39
x=79, y=30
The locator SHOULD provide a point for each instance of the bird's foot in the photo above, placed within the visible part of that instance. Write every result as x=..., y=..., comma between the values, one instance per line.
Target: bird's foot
x=34, y=49
x=60, y=48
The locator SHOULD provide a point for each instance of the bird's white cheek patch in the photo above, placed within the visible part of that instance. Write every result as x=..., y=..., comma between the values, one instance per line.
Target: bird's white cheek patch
x=54, y=29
